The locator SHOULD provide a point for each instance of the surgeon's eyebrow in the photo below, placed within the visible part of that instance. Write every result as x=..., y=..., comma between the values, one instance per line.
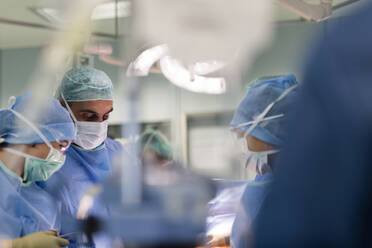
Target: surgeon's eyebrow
x=94, y=112
x=108, y=112
x=88, y=110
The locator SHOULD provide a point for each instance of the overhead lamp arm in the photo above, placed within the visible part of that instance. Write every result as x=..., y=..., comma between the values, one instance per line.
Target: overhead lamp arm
x=311, y=12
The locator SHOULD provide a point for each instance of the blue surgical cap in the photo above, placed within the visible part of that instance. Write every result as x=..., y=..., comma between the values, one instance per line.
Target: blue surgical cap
x=53, y=121
x=85, y=84
x=257, y=99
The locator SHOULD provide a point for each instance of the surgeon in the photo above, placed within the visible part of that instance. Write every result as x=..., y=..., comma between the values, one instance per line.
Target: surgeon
x=156, y=150
x=31, y=150
x=87, y=93
x=259, y=124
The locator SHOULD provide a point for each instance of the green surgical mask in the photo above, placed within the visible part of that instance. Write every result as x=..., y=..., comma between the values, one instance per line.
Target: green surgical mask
x=37, y=169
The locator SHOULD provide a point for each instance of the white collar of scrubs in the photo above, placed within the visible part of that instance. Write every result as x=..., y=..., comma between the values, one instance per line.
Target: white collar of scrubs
x=100, y=147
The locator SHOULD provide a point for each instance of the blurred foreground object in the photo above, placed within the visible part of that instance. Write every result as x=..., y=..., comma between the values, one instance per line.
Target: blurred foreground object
x=172, y=213
x=322, y=191
x=39, y=240
x=311, y=12
x=222, y=211
x=205, y=30
x=188, y=78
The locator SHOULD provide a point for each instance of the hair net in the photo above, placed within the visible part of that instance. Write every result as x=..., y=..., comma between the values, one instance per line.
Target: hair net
x=85, y=84
x=151, y=139
x=257, y=99
x=54, y=122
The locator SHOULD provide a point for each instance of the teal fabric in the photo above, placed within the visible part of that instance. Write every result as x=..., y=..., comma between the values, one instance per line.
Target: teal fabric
x=151, y=139
x=85, y=84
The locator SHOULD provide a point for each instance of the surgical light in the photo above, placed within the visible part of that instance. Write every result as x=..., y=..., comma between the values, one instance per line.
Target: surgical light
x=142, y=64
x=205, y=68
x=175, y=72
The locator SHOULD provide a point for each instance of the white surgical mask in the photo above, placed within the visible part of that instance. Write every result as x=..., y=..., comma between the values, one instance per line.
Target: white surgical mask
x=254, y=162
x=90, y=134
x=258, y=161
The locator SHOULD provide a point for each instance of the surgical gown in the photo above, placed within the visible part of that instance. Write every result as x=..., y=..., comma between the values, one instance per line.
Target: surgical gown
x=254, y=194
x=82, y=169
x=24, y=209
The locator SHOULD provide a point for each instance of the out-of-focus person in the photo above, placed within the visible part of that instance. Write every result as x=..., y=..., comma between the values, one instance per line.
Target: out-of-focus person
x=322, y=191
x=30, y=151
x=259, y=123
x=156, y=149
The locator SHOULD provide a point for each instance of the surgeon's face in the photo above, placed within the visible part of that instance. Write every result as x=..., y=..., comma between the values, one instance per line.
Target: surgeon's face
x=149, y=157
x=42, y=150
x=94, y=111
x=256, y=145
x=253, y=144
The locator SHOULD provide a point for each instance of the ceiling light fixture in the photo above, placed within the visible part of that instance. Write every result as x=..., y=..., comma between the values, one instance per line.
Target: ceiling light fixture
x=100, y=12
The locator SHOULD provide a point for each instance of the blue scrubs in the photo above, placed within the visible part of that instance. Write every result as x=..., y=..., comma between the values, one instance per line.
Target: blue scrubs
x=82, y=169
x=252, y=199
x=24, y=209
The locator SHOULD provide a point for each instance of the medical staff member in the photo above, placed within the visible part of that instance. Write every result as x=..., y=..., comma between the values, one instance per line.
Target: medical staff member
x=88, y=94
x=30, y=151
x=259, y=122
x=322, y=193
x=156, y=150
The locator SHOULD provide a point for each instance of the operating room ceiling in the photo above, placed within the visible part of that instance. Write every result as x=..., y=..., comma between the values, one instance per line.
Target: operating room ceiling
x=15, y=17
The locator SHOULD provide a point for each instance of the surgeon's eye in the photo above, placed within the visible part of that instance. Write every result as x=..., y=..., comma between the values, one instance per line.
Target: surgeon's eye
x=105, y=117
x=92, y=118
x=89, y=116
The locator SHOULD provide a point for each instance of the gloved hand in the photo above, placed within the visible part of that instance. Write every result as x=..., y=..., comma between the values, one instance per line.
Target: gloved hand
x=48, y=239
